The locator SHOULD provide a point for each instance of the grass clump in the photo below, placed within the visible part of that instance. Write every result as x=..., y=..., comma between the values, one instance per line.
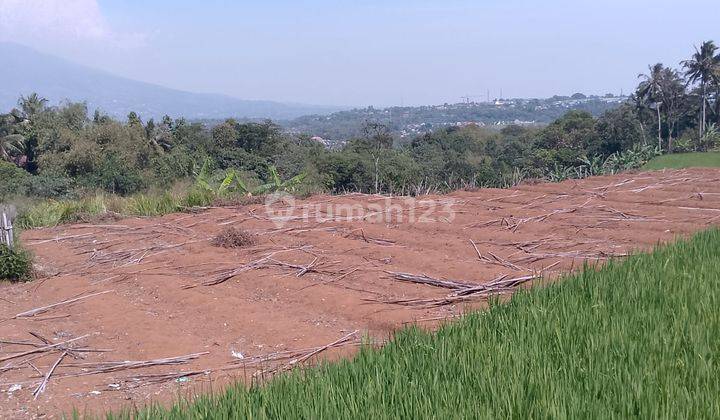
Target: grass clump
x=15, y=264
x=150, y=205
x=636, y=338
x=684, y=160
x=56, y=212
x=234, y=238
x=101, y=207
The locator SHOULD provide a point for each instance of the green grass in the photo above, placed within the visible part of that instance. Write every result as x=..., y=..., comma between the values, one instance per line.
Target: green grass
x=637, y=338
x=684, y=160
x=56, y=212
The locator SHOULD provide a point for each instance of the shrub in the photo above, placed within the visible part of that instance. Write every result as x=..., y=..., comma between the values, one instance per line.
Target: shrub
x=198, y=197
x=234, y=238
x=149, y=205
x=115, y=176
x=51, y=184
x=13, y=180
x=15, y=264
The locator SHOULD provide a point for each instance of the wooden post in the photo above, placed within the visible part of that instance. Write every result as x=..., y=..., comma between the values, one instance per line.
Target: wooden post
x=6, y=230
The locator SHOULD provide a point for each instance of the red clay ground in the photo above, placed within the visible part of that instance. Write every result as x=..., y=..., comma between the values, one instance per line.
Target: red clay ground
x=318, y=273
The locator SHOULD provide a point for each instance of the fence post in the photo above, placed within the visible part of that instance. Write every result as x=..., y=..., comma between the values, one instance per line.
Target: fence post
x=6, y=230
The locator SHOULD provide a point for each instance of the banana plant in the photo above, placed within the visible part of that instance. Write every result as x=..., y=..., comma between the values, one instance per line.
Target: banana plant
x=277, y=184
x=222, y=185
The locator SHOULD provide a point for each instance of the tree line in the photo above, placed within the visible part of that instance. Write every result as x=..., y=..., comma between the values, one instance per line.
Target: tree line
x=63, y=152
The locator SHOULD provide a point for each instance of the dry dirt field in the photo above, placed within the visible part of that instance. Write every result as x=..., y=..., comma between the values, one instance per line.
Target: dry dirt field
x=144, y=309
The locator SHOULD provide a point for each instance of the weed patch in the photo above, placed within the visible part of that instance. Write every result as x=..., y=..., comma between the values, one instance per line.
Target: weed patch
x=234, y=238
x=15, y=264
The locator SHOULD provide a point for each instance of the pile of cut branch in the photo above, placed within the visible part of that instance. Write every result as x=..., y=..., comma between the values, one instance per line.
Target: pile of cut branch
x=462, y=291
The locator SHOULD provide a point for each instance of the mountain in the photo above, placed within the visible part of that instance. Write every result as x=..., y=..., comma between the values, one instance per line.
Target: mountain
x=24, y=70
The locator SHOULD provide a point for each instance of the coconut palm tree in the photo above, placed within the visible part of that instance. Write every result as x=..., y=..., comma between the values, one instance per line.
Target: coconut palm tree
x=673, y=97
x=703, y=67
x=11, y=142
x=32, y=104
x=10, y=146
x=650, y=91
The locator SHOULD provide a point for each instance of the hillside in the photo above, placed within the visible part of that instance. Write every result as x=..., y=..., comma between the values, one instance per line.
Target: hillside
x=25, y=70
x=407, y=122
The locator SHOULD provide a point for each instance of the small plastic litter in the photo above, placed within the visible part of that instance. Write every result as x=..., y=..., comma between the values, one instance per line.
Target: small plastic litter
x=16, y=387
x=237, y=354
x=183, y=379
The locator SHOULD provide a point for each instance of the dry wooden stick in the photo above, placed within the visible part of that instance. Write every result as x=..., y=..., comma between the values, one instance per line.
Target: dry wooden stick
x=44, y=309
x=34, y=344
x=423, y=279
x=497, y=286
x=11, y=365
x=105, y=367
x=531, y=257
x=368, y=239
x=41, y=388
x=225, y=275
x=302, y=269
x=149, y=379
x=434, y=318
x=42, y=349
x=67, y=350
x=342, y=276
x=499, y=283
x=308, y=355
x=496, y=260
x=477, y=251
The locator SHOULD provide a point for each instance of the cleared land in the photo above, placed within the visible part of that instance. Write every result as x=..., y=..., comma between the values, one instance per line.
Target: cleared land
x=311, y=281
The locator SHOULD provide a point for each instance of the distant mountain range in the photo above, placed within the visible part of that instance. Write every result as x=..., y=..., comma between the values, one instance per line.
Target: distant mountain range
x=24, y=70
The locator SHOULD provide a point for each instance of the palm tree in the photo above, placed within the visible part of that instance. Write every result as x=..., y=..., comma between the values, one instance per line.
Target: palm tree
x=639, y=106
x=703, y=67
x=715, y=85
x=673, y=95
x=32, y=104
x=11, y=143
x=651, y=92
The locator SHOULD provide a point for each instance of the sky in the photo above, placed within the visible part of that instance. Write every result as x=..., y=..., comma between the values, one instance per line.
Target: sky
x=359, y=53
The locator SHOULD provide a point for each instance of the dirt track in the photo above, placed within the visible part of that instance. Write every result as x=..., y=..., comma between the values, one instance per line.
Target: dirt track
x=318, y=273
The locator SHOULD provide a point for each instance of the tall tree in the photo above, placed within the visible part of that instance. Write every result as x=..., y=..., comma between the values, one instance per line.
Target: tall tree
x=650, y=90
x=673, y=96
x=32, y=104
x=378, y=137
x=703, y=67
x=133, y=119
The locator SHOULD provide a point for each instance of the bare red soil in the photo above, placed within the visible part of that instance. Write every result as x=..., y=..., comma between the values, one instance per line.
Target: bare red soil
x=321, y=269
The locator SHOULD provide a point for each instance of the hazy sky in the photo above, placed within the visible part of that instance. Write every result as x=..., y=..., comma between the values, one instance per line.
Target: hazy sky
x=368, y=52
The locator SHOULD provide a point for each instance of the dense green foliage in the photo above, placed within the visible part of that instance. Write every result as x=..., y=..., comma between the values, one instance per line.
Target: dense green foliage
x=61, y=153
x=685, y=160
x=15, y=264
x=637, y=338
